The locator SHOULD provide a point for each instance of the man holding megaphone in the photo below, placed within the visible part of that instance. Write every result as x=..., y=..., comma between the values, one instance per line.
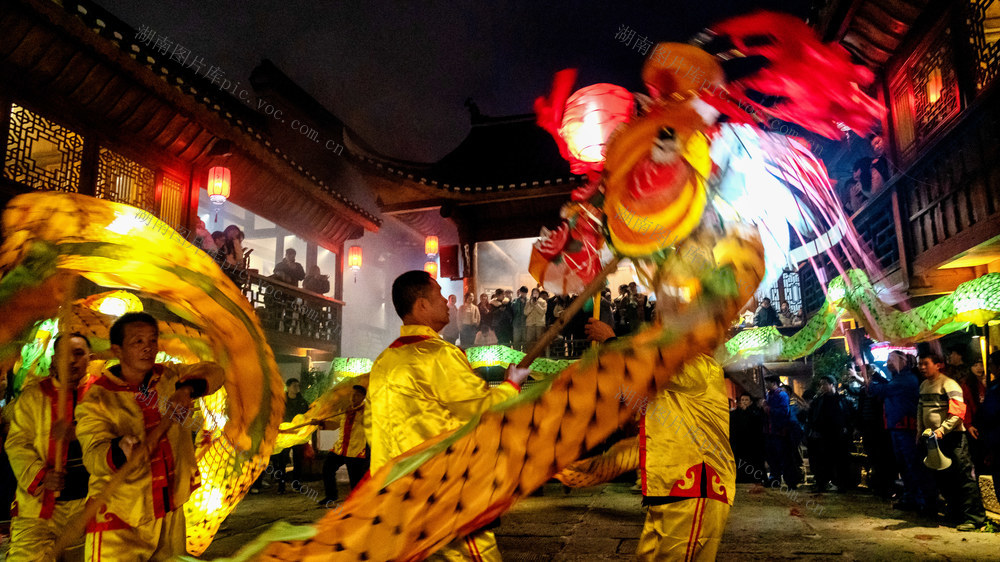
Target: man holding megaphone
x=939, y=424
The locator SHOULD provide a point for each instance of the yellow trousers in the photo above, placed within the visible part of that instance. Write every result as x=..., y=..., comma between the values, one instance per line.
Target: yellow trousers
x=477, y=547
x=690, y=529
x=160, y=539
x=32, y=538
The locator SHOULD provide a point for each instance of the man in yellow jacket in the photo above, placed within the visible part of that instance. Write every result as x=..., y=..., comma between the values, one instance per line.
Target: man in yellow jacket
x=687, y=469
x=351, y=448
x=143, y=518
x=423, y=386
x=46, y=498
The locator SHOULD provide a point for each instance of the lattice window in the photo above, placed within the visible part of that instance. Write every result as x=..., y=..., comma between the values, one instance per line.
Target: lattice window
x=935, y=86
x=924, y=92
x=984, y=24
x=41, y=154
x=171, y=201
x=122, y=180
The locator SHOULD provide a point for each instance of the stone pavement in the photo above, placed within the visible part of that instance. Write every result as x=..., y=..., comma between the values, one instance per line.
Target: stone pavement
x=604, y=523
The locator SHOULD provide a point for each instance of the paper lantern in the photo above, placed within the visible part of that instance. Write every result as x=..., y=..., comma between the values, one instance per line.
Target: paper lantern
x=218, y=184
x=431, y=245
x=354, y=258
x=432, y=268
x=590, y=115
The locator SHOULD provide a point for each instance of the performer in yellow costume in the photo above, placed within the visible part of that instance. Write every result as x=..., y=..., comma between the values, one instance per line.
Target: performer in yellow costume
x=143, y=518
x=423, y=386
x=46, y=498
x=687, y=468
x=686, y=465
x=351, y=448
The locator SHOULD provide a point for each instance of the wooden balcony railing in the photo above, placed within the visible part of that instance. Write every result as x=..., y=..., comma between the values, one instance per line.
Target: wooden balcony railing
x=312, y=319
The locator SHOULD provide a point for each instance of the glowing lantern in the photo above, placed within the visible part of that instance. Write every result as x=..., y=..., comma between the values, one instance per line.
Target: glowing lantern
x=431, y=245
x=590, y=115
x=218, y=187
x=432, y=268
x=218, y=184
x=354, y=258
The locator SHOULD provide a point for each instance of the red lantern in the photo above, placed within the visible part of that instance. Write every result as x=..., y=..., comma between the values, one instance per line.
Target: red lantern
x=431, y=245
x=354, y=258
x=432, y=268
x=218, y=184
x=589, y=117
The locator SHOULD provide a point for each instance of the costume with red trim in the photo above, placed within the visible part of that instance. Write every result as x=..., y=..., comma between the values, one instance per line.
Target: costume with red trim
x=686, y=465
x=419, y=388
x=143, y=518
x=41, y=514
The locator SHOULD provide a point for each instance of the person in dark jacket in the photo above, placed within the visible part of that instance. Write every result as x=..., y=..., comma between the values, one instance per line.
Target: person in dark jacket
x=779, y=442
x=875, y=438
x=899, y=398
x=746, y=437
x=828, y=435
x=295, y=404
x=766, y=315
x=316, y=281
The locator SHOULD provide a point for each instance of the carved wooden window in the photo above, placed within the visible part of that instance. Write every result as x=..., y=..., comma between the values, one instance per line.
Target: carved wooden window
x=171, y=201
x=41, y=154
x=122, y=180
x=984, y=24
x=924, y=92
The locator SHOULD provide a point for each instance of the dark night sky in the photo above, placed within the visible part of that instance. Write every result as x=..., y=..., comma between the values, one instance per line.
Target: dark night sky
x=398, y=73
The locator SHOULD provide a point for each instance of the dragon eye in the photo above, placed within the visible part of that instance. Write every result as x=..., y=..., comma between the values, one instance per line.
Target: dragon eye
x=666, y=133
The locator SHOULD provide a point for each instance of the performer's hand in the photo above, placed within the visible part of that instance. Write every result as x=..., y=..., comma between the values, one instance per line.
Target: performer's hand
x=516, y=374
x=53, y=480
x=598, y=331
x=973, y=432
x=939, y=433
x=182, y=398
x=64, y=430
x=128, y=445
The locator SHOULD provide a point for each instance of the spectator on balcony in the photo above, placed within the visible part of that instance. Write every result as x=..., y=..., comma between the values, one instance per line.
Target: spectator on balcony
x=535, y=316
x=485, y=336
x=517, y=312
x=288, y=270
x=232, y=248
x=879, y=164
x=787, y=318
x=853, y=196
x=503, y=322
x=316, y=281
x=450, y=332
x=469, y=321
x=766, y=315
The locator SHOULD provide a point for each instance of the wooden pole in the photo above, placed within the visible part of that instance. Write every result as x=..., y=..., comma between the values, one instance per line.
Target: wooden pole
x=596, y=285
x=60, y=360
x=76, y=526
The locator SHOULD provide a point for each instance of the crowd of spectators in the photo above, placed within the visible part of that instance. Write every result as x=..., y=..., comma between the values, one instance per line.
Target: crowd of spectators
x=896, y=418
x=519, y=320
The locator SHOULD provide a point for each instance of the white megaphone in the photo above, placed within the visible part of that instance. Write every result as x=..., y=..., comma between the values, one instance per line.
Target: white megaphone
x=935, y=459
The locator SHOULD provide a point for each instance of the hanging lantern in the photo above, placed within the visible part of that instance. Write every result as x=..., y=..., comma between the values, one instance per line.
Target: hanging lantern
x=218, y=187
x=354, y=260
x=431, y=245
x=432, y=268
x=590, y=115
